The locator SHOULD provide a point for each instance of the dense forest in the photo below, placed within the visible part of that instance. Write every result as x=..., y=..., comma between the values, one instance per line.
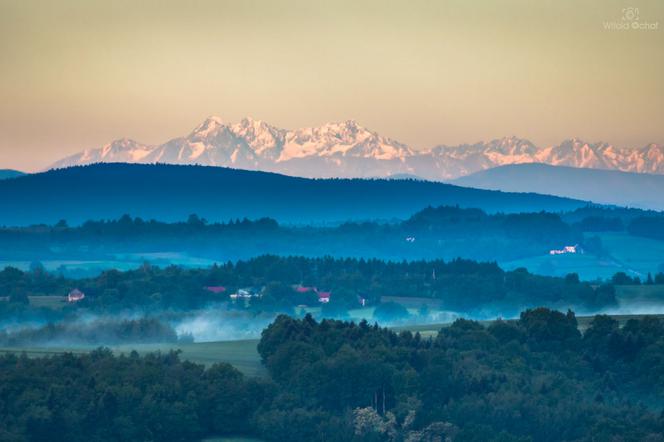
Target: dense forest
x=279, y=285
x=536, y=378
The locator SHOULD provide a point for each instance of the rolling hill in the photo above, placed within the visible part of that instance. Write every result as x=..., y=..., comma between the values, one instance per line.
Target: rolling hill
x=172, y=192
x=645, y=191
x=9, y=173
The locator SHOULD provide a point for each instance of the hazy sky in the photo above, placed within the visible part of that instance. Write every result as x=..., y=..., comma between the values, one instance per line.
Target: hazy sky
x=78, y=74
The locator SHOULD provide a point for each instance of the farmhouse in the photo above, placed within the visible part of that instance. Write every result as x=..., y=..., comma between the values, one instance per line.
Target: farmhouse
x=566, y=249
x=247, y=293
x=75, y=295
x=324, y=297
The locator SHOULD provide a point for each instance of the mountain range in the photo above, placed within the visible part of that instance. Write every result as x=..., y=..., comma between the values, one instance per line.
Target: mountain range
x=639, y=190
x=347, y=149
x=173, y=192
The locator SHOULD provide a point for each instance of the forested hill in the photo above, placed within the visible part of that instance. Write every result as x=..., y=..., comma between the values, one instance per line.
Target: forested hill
x=170, y=192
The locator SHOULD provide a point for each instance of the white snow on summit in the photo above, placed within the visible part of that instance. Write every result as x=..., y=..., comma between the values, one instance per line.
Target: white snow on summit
x=347, y=149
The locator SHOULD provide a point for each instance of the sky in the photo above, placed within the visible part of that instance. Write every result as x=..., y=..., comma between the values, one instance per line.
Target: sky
x=76, y=74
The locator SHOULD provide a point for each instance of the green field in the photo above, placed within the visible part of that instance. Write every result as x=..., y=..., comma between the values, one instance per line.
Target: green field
x=587, y=266
x=631, y=254
x=431, y=330
x=640, y=298
x=634, y=253
x=241, y=354
x=54, y=302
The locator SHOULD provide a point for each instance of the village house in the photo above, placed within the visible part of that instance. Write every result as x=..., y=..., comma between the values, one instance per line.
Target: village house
x=303, y=289
x=216, y=289
x=323, y=297
x=75, y=296
x=247, y=293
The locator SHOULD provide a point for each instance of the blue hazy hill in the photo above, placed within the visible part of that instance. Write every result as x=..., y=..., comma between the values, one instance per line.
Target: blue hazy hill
x=641, y=190
x=9, y=173
x=172, y=192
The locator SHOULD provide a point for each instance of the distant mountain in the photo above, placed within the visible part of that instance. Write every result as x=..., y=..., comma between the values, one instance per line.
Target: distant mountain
x=255, y=145
x=9, y=173
x=347, y=149
x=171, y=193
x=644, y=191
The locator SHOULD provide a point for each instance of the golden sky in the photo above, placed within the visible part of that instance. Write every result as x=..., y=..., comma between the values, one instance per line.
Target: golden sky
x=76, y=74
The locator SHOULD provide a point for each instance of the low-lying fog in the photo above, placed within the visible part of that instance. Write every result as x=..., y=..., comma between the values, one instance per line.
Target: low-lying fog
x=219, y=323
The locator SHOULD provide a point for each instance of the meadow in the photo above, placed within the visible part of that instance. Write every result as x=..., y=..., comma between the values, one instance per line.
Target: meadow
x=637, y=256
x=241, y=354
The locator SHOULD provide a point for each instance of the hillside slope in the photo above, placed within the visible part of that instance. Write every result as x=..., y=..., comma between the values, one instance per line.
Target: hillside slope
x=171, y=192
x=9, y=173
x=639, y=190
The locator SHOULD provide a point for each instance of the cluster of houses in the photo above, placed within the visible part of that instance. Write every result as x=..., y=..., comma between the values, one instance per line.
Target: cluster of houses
x=245, y=293
x=248, y=293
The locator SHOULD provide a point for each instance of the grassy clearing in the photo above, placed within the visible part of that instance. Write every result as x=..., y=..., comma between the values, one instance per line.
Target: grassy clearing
x=630, y=254
x=584, y=321
x=431, y=330
x=640, y=299
x=53, y=302
x=642, y=255
x=589, y=267
x=640, y=293
x=241, y=354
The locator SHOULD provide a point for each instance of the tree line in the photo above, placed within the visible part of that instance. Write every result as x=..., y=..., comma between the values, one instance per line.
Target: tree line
x=457, y=285
x=434, y=232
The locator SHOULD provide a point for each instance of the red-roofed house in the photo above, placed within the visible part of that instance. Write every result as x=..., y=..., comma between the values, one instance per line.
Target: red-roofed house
x=75, y=295
x=216, y=289
x=324, y=297
x=301, y=289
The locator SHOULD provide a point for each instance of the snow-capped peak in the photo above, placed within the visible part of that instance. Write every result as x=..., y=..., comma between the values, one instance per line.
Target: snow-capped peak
x=348, y=149
x=210, y=125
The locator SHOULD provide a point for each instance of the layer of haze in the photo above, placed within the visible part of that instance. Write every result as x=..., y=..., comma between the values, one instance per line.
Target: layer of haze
x=77, y=74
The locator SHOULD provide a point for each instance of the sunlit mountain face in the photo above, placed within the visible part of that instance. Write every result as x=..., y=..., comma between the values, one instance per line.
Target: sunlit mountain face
x=347, y=149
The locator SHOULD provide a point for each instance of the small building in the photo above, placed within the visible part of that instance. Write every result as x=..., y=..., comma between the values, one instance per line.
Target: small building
x=324, y=297
x=302, y=289
x=247, y=293
x=565, y=250
x=216, y=289
x=75, y=296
